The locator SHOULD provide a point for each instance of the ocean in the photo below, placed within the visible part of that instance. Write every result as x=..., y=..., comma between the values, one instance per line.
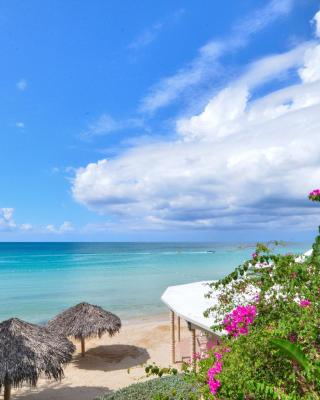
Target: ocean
x=39, y=280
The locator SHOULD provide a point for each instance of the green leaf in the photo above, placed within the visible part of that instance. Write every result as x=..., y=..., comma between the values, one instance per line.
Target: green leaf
x=292, y=351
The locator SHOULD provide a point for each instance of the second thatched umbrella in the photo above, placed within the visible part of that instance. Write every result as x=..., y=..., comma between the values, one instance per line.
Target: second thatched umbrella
x=26, y=351
x=84, y=321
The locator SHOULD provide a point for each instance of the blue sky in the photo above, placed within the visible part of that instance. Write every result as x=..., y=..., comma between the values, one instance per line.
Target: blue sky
x=172, y=120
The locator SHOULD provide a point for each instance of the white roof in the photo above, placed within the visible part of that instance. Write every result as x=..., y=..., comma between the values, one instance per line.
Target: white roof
x=189, y=302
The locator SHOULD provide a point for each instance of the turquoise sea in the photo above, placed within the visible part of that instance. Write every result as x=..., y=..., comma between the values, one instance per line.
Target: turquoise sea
x=38, y=280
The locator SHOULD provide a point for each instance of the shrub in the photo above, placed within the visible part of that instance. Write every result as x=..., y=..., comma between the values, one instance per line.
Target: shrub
x=165, y=388
x=269, y=309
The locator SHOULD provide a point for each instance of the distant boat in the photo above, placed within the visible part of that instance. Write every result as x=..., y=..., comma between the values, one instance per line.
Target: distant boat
x=211, y=251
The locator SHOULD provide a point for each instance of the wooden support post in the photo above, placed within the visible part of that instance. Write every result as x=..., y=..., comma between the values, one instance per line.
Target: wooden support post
x=83, y=347
x=179, y=329
x=193, y=348
x=173, y=340
x=7, y=391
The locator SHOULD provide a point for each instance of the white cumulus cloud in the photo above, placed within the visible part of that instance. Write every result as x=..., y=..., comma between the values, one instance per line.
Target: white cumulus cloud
x=316, y=20
x=26, y=227
x=65, y=227
x=242, y=162
x=230, y=110
x=310, y=72
x=6, y=219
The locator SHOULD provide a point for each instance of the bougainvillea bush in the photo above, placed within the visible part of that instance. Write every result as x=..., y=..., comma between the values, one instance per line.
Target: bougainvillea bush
x=269, y=310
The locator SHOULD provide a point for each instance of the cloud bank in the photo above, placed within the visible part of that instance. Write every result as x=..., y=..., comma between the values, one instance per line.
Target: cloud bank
x=243, y=162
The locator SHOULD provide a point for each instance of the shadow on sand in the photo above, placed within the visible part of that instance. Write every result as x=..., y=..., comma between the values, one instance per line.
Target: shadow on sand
x=112, y=357
x=57, y=391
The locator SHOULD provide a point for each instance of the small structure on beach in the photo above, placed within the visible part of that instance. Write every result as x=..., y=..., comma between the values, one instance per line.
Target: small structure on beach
x=26, y=351
x=84, y=321
x=188, y=302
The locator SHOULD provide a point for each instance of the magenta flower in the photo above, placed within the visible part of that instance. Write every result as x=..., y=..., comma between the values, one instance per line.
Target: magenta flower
x=314, y=195
x=237, y=322
x=214, y=383
x=254, y=255
x=305, y=303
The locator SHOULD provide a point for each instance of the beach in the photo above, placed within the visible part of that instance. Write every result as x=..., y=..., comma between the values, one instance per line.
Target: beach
x=39, y=280
x=159, y=208
x=110, y=363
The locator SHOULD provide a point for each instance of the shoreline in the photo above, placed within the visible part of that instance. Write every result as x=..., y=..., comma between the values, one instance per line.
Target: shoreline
x=54, y=278
x=145, y=318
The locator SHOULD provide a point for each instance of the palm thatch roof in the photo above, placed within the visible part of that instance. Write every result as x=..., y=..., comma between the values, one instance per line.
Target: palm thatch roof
x=84, y=321
x=27, y=350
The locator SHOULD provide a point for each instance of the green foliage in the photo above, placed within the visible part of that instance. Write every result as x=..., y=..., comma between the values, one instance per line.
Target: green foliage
x=165, y=388
x=279, y=358
x=285, y=367
x=153, y=369
x=312, y=370
x=199, y=378
x=268, y=391
x=292, y=351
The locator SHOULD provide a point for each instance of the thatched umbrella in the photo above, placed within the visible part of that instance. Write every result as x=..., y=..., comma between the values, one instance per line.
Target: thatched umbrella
x=27, y=350
x=84, y=321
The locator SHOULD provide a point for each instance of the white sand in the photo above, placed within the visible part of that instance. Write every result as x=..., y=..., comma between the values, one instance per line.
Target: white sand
x=110, y=363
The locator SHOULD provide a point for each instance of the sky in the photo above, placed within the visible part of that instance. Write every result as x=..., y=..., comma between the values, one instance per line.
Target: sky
x=159, y=121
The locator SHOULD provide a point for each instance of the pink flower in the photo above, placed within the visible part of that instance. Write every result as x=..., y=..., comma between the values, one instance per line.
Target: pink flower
x=210, y=345
x=237, y=322
x=305, y=303
x=315, y=195
x=214, y=383
x=196, y=356
x=254, y=255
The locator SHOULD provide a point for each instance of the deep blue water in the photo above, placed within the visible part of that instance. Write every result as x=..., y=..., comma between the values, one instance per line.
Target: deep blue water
x=38, y=280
